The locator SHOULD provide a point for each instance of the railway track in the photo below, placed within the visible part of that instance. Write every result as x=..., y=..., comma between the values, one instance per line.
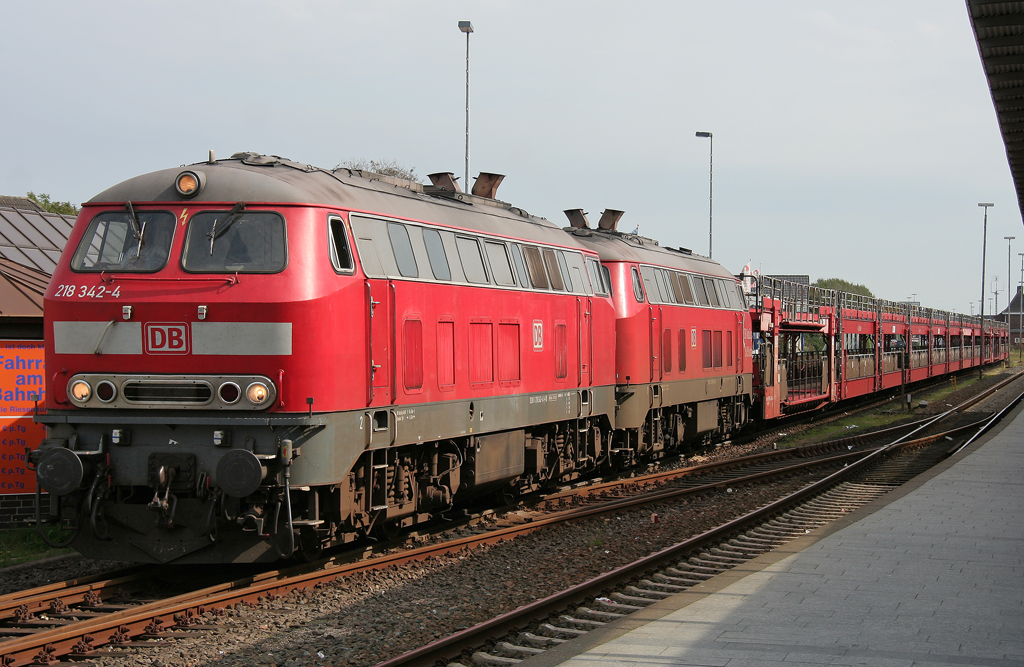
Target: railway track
x=554, y=620
x=75, y=619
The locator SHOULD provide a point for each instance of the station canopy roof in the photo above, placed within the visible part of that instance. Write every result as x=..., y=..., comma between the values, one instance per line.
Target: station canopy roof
x=999, y=31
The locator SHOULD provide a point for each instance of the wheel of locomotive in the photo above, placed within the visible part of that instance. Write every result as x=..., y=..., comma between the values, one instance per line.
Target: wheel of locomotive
x=308, y=546
x=388, y=529
x=508, y=495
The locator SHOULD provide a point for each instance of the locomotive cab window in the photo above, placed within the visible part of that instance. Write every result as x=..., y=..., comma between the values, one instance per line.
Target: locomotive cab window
x=607, y=279
x=638, y=290
x=235, y=241
x=123, y=241
x=341, y=254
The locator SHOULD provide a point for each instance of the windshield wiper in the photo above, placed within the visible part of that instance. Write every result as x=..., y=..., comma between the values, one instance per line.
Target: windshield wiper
x=213, y=234
x=138, y=231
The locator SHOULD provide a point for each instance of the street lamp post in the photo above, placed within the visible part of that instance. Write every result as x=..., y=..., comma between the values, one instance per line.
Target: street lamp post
x=1009, y=275
x=1020, y=312
x=984, y=240
x=467, y=27
x=711, y=185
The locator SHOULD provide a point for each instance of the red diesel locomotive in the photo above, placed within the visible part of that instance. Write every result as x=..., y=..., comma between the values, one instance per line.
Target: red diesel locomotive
x=253, y=357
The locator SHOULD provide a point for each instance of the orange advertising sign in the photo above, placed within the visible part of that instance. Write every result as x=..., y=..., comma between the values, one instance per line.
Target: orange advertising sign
x=22, y=380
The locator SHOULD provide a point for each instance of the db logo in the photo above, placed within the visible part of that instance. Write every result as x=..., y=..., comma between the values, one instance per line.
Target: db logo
x=167, y=338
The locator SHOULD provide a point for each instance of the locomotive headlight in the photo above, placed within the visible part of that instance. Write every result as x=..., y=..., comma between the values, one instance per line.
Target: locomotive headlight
x=189, y=183
x=81, y=391
x=257, y=393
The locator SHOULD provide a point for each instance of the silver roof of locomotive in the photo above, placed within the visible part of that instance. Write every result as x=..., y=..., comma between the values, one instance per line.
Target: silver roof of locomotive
x=615, y=246
x=256, y=179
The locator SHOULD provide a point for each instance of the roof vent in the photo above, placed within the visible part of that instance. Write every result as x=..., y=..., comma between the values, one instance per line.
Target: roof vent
x=487, y=184
x=609, y=219
x=445, y=180
x=577, y=218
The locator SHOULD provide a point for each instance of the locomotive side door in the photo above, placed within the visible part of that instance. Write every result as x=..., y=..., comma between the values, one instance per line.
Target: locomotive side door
x=655, y=340
x=380, y=306
x=585, y=327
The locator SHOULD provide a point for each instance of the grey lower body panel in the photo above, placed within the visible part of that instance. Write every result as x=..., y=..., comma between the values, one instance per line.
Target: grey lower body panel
x=639, y=399
x=330, y=443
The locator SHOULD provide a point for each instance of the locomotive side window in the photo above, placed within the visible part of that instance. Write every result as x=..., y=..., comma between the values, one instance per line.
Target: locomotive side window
x=472, y=260
x=577, y=269
x=497, y=255
x=118, y=241
x=435, y=254
x=698, y=287
x=684, y=285
x=235, y=241
x=712, y=292
x=723, y=291
x=739, y=297
x=402, y=247
x=566, y=278
x=651, y=285
x=664, y=285
x=596, y=279
x=677, y=291
x=517, y=255
x=536, y=266
x=553, y=273
x=638, y=290
x=341, y=254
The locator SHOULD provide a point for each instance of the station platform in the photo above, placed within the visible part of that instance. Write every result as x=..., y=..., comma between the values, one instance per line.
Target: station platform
x=930, y=574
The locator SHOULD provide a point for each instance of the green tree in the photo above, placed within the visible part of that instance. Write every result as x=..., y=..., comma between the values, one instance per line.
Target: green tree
x=62, y=207
x=842, y=286
x=383, y=167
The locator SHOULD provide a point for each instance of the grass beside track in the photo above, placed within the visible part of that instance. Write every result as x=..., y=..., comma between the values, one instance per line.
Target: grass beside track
x=23, y=545
x=891, y=413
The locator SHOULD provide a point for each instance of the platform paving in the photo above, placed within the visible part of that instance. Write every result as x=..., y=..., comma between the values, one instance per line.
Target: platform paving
x=931, y=574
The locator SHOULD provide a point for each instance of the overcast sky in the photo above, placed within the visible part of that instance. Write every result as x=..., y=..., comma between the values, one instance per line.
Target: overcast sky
x=851, y=140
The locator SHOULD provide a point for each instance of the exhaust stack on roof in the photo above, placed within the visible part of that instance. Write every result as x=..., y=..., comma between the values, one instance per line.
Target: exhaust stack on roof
x=487, y=184
x=609, y=219
x=445, y=180
x=577, y=218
